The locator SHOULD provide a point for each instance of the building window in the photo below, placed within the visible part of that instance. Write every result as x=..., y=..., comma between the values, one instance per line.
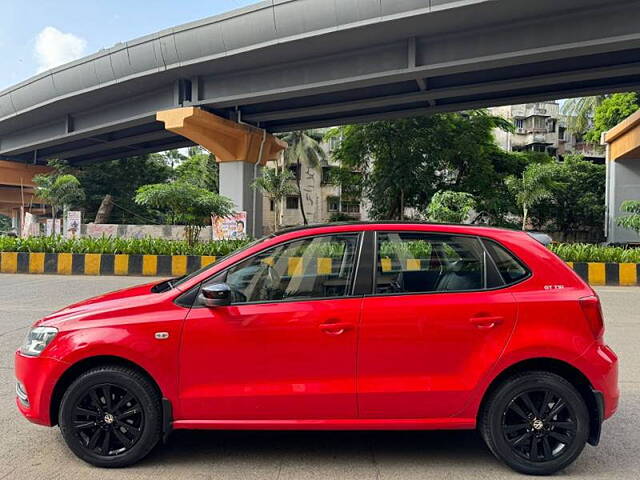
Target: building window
x=327, y=175
x=350, y=207
x=519, y=122
x=295, y=171
x=333, y=204
x=292, y=203
x=272, y=205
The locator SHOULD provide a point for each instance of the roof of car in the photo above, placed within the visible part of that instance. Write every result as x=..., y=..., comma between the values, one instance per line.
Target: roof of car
x=385, y=223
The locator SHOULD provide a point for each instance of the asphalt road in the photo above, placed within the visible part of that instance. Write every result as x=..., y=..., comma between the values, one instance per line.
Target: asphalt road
x=31, y=452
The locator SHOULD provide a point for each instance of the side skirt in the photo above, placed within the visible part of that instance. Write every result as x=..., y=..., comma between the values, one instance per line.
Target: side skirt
x=341, y=424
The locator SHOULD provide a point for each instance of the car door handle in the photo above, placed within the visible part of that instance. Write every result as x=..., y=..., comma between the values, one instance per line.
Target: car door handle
x=486, y=322
x=336, y=329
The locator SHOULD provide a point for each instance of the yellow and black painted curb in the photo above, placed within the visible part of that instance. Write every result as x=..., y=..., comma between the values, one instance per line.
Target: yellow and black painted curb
x=101, y=264
x=615, y=274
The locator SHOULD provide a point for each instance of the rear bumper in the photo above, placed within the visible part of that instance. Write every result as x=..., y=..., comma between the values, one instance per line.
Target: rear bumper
x=37, y=378
x=600, y=364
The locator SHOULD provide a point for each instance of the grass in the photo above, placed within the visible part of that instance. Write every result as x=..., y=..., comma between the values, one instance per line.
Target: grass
x=585, y=252
x=130, y=246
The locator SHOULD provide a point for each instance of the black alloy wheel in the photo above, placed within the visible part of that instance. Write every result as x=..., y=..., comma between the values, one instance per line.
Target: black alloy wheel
x=111, y=416
x=536, y=422
x=539, y=425
x=108, y=420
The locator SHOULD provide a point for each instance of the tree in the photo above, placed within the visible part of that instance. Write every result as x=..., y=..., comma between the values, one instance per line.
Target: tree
x=403, y=163
x=121, y=179
x=580, y=112
x=613, y=110
x=5, y=223
x=535, y=184
x=59, y=189
x=578, y=203
x=450, y=207
x=276, y=185
x=199, y=168
x=304, y=148
x=631, y=221
x=185, y=204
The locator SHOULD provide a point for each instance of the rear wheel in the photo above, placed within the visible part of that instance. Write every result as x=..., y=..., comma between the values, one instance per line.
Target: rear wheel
x=111, y=416
x=536, y=422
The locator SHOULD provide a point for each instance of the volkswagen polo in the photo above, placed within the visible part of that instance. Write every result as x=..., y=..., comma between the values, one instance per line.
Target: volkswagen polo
x=340, y=327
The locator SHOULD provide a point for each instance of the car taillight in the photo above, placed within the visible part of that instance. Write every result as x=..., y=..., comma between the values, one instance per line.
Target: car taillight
x=593, y=314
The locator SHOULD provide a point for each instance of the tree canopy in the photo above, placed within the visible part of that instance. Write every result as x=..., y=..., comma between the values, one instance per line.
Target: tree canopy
x=403, y=163
x=613, y=110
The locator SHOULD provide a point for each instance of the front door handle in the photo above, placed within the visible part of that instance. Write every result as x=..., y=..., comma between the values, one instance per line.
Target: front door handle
x=486, y=322
x=336, y=329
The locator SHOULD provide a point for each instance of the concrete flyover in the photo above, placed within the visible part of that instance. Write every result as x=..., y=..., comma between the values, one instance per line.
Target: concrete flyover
x=289, y=64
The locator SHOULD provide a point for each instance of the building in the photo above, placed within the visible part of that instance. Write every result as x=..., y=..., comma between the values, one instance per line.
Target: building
x=623, y=175
x=540, y=127
x=323, y=200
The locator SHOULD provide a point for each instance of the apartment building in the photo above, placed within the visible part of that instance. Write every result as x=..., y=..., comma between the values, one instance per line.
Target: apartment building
x=540, y=127
x=323, y=199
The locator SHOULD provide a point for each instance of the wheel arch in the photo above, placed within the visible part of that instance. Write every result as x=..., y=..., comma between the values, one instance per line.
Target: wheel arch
x=84, y=365
x=564, y=370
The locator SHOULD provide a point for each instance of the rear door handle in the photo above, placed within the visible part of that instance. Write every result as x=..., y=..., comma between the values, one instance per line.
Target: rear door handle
x=486, y=322
x=336, y=329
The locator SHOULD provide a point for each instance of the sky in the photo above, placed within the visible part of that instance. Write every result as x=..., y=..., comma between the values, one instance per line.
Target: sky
x=36, y=35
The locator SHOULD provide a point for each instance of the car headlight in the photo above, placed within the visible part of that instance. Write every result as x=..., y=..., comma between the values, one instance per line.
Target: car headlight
x=37, y=340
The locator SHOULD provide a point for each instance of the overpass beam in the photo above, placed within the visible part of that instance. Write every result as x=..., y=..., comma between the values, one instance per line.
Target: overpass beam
x=240, y=149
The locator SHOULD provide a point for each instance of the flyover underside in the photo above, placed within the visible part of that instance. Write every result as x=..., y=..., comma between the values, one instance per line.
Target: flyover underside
x=473, y=54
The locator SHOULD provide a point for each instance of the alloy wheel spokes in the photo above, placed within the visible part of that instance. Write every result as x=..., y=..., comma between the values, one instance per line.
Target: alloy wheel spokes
x=539, y=425
x=108, y=420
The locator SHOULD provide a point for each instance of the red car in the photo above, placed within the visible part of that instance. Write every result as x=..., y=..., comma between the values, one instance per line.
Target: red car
x=340, y=327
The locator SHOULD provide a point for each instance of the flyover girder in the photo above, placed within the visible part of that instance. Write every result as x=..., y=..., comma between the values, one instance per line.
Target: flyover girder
x=413, y=57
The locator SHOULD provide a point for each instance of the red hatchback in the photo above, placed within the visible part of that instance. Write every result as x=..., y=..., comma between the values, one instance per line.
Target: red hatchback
x=341, y=327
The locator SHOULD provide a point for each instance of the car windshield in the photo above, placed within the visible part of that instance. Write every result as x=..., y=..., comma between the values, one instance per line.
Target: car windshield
x=175, y=282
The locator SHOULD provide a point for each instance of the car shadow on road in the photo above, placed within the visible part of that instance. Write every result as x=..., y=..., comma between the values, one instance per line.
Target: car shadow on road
x=320, y=446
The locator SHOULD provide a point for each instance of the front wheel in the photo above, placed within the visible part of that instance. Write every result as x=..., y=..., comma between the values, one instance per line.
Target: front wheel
x=111, y=416
x=536, y=422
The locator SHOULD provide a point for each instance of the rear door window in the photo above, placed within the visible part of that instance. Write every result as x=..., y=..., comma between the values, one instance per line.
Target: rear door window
x=427, y=263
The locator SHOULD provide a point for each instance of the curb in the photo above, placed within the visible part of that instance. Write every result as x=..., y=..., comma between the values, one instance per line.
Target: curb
x=596, y=274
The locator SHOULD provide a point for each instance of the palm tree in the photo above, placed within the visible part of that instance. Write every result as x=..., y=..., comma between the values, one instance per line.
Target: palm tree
x=304, y=148
x=580, y=112
x=535, y=185
x=276, y=185
x=60, y=191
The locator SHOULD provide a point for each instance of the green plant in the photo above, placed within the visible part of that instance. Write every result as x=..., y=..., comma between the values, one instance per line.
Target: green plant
x=276, y=185
x=114, y=245
x=631, y=221
x=584, y=252
x=304, y=148
x=186, y=204
x=535, y=184
x=60, y=190
x=450, y=207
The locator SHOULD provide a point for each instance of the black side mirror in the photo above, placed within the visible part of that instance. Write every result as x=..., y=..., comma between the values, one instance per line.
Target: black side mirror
x=218, y=295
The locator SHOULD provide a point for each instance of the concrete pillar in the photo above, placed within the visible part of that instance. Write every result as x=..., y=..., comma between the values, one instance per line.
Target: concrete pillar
x=624, y=178
x=240, y=149
x=236, y=179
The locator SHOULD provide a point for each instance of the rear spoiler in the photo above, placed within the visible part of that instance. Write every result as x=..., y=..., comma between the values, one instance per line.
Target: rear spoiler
x=542, y=238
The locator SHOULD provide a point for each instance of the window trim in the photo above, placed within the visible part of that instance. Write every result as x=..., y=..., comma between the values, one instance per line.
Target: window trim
x=480, y=239
x=352, y=279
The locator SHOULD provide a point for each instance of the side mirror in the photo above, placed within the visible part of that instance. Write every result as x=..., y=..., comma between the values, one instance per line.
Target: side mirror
x=218, y=295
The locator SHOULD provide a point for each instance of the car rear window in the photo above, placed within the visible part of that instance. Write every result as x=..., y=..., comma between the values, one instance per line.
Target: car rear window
x=510, y=268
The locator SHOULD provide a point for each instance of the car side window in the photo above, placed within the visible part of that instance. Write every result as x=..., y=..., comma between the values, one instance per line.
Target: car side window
x=314, y=267
x=510, y=269
x=426, y=263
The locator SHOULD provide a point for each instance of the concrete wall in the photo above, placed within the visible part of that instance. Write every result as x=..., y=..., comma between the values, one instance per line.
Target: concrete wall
x=623, y=182
x=167, y=232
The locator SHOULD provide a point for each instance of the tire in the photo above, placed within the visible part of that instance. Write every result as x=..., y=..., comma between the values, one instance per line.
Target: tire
x=535, y=422
x=111, y=416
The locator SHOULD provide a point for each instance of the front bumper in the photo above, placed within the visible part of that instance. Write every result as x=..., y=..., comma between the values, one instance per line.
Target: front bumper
x=36, y=377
